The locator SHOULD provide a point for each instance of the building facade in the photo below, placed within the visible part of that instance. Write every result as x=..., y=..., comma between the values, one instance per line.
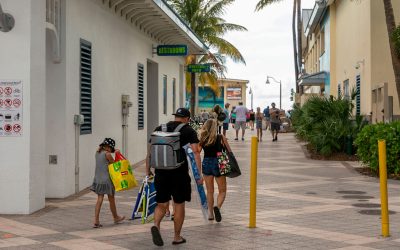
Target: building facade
x=345, y=47
x=231, y=91
x=95, y=58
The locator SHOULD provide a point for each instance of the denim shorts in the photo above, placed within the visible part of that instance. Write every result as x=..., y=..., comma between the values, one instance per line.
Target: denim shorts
x=210, y=166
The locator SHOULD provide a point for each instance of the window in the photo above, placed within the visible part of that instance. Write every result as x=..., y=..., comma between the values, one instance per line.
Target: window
x=173, y=94
x=140, y=73
x=86, y=86
x=346, y=90
x=358, y=97
x=165, y=94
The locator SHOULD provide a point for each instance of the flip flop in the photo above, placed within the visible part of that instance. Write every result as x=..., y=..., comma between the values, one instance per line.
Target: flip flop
x=179, y=242
x=157, y=239
x=97, y=225
x=120, y=219
x=217, y=214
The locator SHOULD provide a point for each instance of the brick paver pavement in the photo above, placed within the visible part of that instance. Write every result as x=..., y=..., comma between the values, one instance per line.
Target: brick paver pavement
x=301, y=204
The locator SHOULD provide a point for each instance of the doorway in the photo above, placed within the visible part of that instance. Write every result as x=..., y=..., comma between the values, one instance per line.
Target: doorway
x=152, y=97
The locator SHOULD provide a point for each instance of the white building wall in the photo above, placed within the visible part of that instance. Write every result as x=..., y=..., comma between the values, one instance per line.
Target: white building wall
x=22, y=163
x=117, y=48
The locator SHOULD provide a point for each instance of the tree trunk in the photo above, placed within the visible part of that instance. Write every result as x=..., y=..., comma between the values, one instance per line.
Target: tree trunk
x=391, y=26
x=299, y=42
x=192, y=93
x=296, y=65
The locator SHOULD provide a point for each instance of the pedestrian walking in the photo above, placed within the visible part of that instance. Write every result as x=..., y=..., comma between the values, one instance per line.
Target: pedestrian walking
x=174, y=183
x=218, y=114
x=241, y=113
x=233, y=116
x=102, y=183
x=211, y=143
x=252, y=118
x=275, y=122
x=225, y=124
x=259, y=119
x=267, y=117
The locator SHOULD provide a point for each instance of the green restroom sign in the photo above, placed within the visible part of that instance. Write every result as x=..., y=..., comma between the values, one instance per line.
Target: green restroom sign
x=172, y=50
x=198, y=68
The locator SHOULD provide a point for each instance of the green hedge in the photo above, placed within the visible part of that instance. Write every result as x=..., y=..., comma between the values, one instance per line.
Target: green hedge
x=367, y=145
x=326, y=123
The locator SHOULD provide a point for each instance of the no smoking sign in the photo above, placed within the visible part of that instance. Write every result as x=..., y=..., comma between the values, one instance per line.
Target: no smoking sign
x=17, y=128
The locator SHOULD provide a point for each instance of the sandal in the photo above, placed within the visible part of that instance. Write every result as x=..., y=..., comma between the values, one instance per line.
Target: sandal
x=183, y=240
x=155, y=234
x=217, y=214
x=119, y=219
x=97, y=225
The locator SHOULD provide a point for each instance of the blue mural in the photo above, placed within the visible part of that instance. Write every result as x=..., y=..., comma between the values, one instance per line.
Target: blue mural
x=207, y=98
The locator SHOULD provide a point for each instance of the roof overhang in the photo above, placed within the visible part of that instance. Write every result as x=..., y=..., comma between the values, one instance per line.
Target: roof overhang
x=157, y=20
x=317, y=12
x=317, y=79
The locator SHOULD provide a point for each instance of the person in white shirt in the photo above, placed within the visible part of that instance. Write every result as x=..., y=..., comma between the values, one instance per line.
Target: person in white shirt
x=241, y=112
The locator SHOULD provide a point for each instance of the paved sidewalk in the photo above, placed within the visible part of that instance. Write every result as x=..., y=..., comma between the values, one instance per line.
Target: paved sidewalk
x=301, y=204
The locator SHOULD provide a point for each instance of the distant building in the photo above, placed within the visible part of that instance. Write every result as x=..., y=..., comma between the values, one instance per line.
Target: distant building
x=96, y=58
x=346, y=46
x=230, y=91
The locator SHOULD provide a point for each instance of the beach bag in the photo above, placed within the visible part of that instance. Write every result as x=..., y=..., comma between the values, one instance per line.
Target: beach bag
x=235, y=170
x=165, y=149
x=223, y=160
x=121, y=173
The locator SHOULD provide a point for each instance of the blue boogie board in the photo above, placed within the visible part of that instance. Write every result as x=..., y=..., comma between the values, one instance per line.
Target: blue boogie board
x=201, y=194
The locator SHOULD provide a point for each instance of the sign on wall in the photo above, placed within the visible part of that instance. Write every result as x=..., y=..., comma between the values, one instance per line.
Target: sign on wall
x=198, y=68
x=10, y=108
x=234, y=93
x=172, y=50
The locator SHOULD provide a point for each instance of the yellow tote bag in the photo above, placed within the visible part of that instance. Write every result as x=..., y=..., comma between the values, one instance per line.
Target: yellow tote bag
x=121, y=173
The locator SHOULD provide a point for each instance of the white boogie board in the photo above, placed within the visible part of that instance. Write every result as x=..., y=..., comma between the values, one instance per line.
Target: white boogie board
x=201, y=194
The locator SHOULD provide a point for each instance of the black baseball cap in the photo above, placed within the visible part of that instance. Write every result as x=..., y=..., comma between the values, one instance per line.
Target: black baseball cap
x=182, y=112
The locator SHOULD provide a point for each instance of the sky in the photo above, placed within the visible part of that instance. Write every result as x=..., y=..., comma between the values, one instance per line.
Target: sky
x=267, y=47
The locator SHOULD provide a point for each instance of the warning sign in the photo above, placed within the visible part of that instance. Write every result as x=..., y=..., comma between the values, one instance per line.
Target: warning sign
x=11, y=107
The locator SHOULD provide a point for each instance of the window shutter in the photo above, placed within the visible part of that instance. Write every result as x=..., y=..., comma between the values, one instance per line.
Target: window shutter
x=140, y=73
x=86, y=86
x=358, y=97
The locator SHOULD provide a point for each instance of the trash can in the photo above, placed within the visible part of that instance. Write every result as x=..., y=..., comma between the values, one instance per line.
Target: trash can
x=349, y=145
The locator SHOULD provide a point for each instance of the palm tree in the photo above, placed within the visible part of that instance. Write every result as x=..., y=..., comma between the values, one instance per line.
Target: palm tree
x=204, y=18
x=391, y=29
x=296, y=42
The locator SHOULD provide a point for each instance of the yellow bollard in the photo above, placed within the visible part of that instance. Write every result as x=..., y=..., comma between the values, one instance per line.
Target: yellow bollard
x=383, y=185
x=253, y=182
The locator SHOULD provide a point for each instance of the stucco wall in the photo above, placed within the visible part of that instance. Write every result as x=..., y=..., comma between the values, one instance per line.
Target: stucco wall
x=22, y=158
x=353, y=44
x=382, y=69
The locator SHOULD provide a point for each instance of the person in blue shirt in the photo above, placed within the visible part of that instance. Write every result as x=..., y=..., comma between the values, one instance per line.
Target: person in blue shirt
x=267, y=116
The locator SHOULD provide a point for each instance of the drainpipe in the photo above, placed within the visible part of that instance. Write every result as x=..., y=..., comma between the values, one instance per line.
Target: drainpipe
x=78, y=121
x=126, y=104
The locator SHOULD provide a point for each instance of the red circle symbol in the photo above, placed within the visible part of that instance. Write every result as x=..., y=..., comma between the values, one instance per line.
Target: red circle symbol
x=1, y=91
x=17, y=128
x=1, y=102
x=17, y=103
x=8, y=102
x=8, y=90
x=7, y=127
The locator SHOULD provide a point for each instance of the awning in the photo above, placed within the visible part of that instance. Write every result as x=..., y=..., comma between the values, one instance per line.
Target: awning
x=316, y=79
x=156, y=19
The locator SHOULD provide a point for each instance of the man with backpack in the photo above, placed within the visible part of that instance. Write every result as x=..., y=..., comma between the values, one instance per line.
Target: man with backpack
x=167, y=156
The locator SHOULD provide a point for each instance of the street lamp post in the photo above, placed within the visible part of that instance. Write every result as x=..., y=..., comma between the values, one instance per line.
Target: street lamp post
x=251, y=96
x=280, y=89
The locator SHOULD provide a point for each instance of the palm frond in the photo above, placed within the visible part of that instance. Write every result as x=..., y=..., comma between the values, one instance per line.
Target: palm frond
x=263, y=3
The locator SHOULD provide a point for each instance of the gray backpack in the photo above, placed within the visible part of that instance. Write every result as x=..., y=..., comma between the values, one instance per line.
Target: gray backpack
x=165, y=150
